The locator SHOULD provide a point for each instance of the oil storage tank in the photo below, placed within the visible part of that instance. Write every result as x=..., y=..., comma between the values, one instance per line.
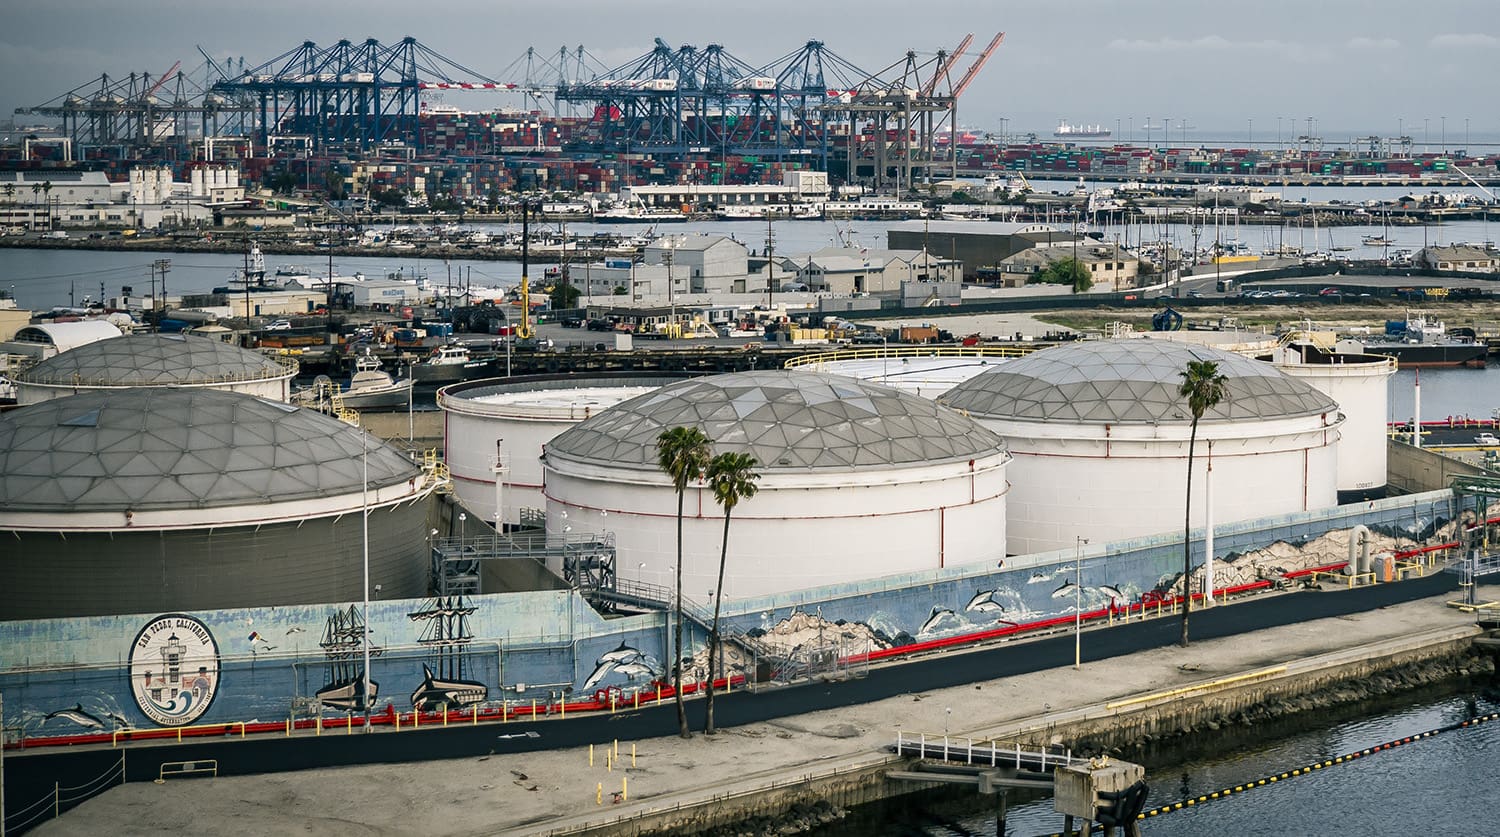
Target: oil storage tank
x=1099, y=436
x=857, y=480
x=506, y=421
x=1359, y=384
x=155, y=499
x=156, y=360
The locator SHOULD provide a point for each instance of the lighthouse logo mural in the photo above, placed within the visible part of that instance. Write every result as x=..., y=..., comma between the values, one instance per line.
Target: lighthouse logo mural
x=174, y=669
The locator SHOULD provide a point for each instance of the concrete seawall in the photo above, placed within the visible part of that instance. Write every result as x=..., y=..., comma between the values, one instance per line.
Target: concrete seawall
x=1124, y=721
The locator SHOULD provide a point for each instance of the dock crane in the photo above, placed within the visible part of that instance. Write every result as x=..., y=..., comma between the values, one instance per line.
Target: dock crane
x=522, y=332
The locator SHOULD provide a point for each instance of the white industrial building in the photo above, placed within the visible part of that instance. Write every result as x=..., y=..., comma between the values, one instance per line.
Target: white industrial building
x=1100, y=439
x=156, y=360
x=504, y=423
x=856, y=481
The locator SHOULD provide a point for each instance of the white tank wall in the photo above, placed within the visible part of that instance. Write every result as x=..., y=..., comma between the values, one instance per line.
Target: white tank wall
x=1106, y=484
x=469, y=447
x=521, y=422
x=271, y=389
x=1362, y=393
x=799, y=530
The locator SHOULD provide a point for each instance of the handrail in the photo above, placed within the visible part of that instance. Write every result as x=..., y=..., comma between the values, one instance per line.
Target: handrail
x=909, y=352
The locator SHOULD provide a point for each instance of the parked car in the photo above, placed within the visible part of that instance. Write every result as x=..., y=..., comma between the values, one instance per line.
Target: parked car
x=1488, y=440
x=279, y=325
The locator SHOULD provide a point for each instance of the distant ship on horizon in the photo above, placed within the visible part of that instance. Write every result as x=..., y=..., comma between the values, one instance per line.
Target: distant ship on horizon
x=1080, y=131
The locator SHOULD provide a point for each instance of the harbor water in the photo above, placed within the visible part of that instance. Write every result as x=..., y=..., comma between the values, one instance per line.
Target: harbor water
x=1430, y=784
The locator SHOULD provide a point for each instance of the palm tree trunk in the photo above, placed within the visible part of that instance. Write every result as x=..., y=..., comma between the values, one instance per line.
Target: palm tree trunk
x=714, y=650
x=682, y=724
x=1187, y=540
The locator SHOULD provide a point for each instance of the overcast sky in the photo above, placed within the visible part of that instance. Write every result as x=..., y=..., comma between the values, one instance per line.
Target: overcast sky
x=1356, y=66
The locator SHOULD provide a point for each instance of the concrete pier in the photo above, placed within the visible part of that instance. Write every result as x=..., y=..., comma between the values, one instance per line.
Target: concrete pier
x=765, y=769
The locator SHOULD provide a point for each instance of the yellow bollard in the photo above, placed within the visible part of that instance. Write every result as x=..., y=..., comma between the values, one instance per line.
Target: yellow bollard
x=632, y=754
x=624, y=788
x=288, y=727
x=599, y=794
x=533, y=709
x=617, y=749
x=562, y=707
x=609, y=763
x=319, y=725
x=591, y=755
x=637, y=698
x=658, y=694
x=445, y=714
x=504, y=710
x=398, y=722
x=611, y=702
x=476, y=715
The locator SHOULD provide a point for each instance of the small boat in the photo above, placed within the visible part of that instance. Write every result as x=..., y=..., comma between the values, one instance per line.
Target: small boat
x=448, y=364
x=369, y=389
x=372, y=388
x=1376, y=241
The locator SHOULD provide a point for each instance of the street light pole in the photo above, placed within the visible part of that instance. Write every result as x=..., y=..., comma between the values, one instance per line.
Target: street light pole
x=364, y=456
x=1078, y=603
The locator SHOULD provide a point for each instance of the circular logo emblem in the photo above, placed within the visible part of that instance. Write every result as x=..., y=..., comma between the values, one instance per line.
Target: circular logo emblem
x=174, y=669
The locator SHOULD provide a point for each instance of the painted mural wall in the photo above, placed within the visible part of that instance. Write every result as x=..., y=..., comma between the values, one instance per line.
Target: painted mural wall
x=69, y=676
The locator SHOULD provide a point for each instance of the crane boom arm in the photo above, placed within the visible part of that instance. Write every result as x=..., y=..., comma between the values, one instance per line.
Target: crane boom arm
x=941, y=71
x=1477, y=184
x=973, y=71
x=162, y=80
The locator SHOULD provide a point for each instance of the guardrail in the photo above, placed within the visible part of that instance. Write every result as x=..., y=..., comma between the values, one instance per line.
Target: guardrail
x=201, y=767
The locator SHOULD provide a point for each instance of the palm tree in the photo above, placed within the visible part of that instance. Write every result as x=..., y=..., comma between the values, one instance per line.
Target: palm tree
x=732, y=477
x=682, y=453
x=1203, y=387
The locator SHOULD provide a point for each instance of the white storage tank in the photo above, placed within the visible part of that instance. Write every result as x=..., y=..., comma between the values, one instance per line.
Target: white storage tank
x=156, y=360
x=160, y=499
x=1100, y=440
x=1358, y=383
x=857, y=480
x=512, y=419
x=924, y=372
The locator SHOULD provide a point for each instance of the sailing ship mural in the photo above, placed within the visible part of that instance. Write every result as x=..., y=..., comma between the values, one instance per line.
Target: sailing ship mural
x=447, y=634
x=342, y=648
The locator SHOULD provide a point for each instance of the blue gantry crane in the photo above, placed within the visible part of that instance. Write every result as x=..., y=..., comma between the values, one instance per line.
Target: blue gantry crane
x=350, y=95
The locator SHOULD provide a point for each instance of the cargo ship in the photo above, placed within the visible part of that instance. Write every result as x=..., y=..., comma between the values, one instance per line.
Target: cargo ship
x=1080, y=131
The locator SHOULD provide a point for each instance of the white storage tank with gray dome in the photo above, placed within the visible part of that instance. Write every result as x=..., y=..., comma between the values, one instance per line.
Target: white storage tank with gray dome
x=154, y=499
x=511, y=419
x=857, y=481
x=156, y=360
x=1100, y=439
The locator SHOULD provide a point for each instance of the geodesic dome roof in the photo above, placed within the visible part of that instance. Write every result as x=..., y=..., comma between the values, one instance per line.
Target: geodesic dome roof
x=1130, y=381
x=153, y=360
x=786, y=419
x=164, y=448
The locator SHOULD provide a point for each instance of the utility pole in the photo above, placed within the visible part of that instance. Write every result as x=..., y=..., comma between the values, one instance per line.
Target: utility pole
x=162, y=265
